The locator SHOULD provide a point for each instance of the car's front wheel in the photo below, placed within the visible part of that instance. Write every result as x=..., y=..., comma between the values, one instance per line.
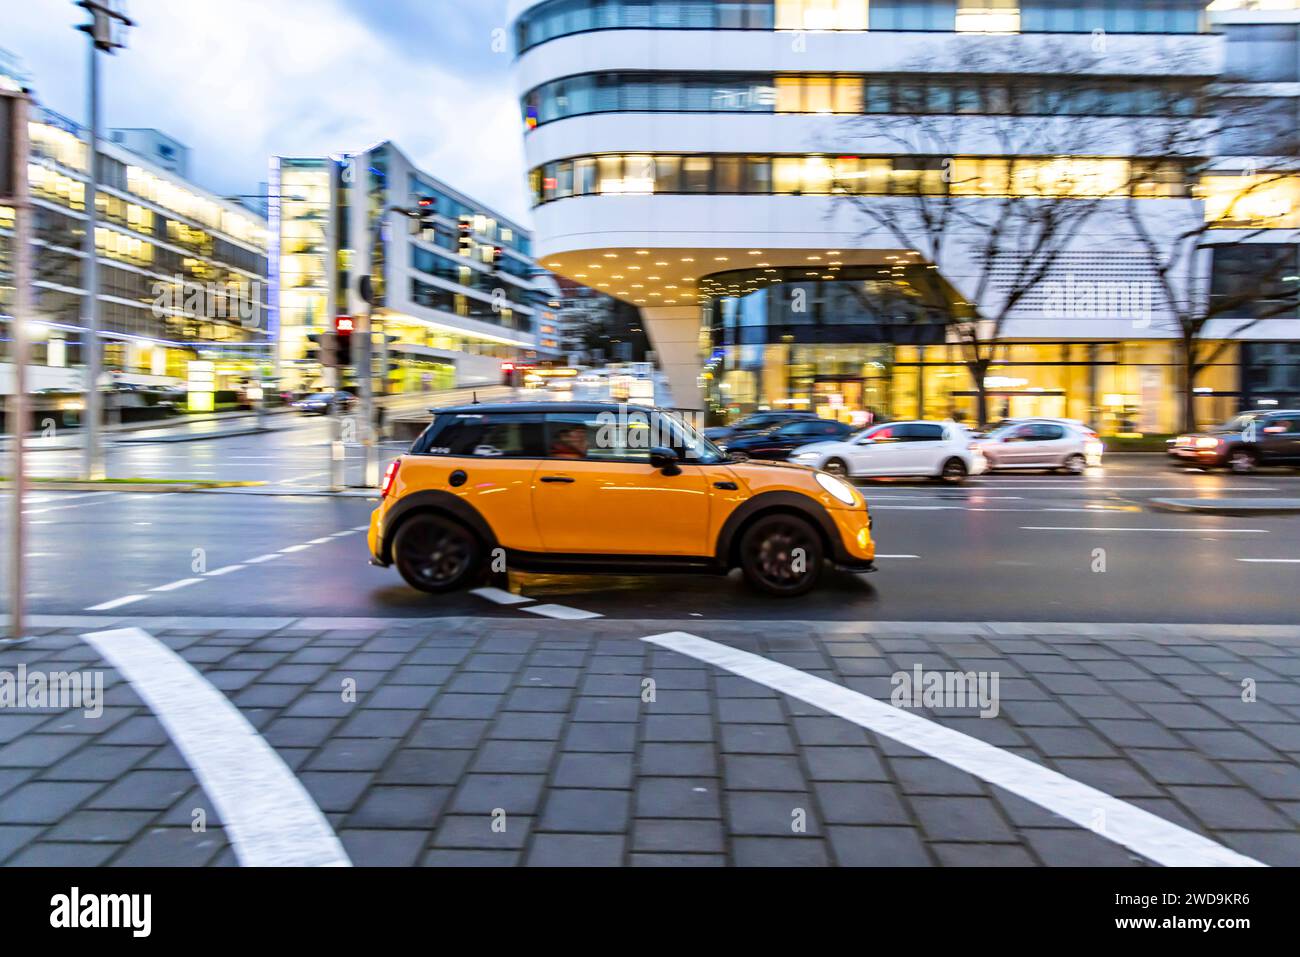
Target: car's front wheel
x=836, y=467
x=1242, y=461
x=437, y=554
x=782, y=555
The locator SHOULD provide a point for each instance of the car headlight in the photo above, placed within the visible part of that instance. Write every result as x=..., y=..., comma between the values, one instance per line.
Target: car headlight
x=842, y=490
x=804, y=455
x=1206, y=442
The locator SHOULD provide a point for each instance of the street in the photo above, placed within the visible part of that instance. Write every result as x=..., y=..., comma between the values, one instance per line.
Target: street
x=516, y=727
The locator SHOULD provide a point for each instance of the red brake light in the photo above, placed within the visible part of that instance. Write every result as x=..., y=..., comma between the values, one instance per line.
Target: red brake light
x=389, y=478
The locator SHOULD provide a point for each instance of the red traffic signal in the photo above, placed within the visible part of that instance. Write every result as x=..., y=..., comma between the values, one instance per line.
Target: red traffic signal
x=344, y=325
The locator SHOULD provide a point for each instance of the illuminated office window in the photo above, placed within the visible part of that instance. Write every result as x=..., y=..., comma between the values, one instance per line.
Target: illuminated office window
x=821, y=14
x=988, y=16
x=1265, y=200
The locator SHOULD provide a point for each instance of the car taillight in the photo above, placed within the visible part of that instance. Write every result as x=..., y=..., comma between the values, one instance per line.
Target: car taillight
x=389, y=478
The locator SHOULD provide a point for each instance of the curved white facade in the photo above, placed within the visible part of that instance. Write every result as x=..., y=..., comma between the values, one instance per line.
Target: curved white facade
x=629, y=238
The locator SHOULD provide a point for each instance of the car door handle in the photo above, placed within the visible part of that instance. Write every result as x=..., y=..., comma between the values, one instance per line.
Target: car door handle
x=557, y=478
x=726, y=486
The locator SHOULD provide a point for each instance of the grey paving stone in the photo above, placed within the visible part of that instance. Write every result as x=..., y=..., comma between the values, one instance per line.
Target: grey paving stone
x=414, y=697
x=1069, y=743
x=755, y=772
x=860, y=803
x=590, y=770
x=750, y=711
x=576, y=850
x=962, y=819
x=1229, y=745
x=817, y=731
x=877, y=846
x=677, y=728
x=1278, y=850
x=513, y=793
x=844, y=764
x=805, y=851
x=771, y=813
x=399, y=806
x=62, y=855
x=298, y=732
x=13, y=837
x=531, y=726
x=540, y=699
x=982, y=855
x=171, y=847
x=677, y=836
x=767, y=739
x=39, y=750
x=586, y=811
x=1101, y=706
x=600, y=737
x=425, y=766
x=931, y=776
x=1115, y=776
x=144, y=790
x=483, y=830
x=1137, y=734
x=454, y=857
x=678, y=860
x=353, y=754
x=266, y=696
x=1229, y=808
x=1078, y=848
x=465, y=705
x=141, y=729
x=448, y=734
x=97, y=763
x=100, y=827
x=373, y=723
x=1275, y=781
x=335, y=791
x=665, y=759
x=677, y=798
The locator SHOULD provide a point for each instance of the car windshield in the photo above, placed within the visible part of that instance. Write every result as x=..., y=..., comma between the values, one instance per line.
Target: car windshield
x=1238, y=423
x=698, y=448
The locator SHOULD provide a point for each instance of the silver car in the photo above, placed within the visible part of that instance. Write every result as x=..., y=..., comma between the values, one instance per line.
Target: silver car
x=1060, y=444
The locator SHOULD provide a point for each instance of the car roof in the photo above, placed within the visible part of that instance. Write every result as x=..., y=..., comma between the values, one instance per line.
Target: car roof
x=533, y=406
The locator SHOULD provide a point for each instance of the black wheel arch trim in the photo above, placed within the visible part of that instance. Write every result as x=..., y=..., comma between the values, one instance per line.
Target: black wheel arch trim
x=781, y=502
x=433, y=500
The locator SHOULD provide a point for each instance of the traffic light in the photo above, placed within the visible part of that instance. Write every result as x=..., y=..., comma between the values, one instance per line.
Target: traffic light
x=343, y=326
x=322, y=348
x=507, y=373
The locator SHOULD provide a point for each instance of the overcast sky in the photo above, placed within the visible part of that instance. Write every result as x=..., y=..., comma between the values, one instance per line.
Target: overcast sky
x=240, y=80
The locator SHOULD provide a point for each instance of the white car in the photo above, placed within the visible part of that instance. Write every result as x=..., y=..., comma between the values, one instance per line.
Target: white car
x=941, y=450
x=1062, y=444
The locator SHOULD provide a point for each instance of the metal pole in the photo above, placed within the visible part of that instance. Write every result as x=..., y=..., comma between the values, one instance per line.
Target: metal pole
x=361, y=358
x=22, y=313
x=92, y=468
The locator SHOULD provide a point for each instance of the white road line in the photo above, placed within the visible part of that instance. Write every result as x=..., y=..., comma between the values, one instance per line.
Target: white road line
x=224, y=571
x=500, y=597
x=1116, y=528
x=561, y=611
x=294, y=548
x=1270, y=561
x=1140, y=831
x=116, y=603
x=269, y=557
x=321, y=541
x=348, y=531
x=1119, y=488
x=182, y=583
x=361, y=528
x=268, y=815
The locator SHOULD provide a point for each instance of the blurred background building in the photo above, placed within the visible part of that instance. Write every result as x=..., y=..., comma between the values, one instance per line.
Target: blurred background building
x=459, y=294
x=685, y=158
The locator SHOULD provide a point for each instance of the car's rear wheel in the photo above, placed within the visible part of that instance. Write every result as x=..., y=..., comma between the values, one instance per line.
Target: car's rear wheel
x=738, y=456
x=953, y=472
x=437, y=554
x=1075, y=464
x=836, y=467
x=1242, y=461
x=782, y=555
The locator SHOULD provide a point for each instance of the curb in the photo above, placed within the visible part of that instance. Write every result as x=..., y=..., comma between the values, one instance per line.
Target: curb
x=179, y=486
x=1219, y=506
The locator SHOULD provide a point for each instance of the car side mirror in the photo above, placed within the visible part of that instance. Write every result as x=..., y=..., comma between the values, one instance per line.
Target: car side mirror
x=664, y=459
x=866, y=441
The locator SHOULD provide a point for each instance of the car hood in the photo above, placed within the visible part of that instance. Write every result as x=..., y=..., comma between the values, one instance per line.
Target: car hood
x=826, y=445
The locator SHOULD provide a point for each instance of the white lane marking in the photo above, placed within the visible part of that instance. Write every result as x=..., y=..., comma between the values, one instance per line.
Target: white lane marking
x=268, y=815
x=182, y=583
x=347, y=531
x=898, y=556
x=270, y=557
x=1120, y=488
x=116, y=603
x=1270, y=561
x=321, y=541
x=224, y=571
x=1116, y=528
x=980, y=508
x=1140, y=831
x=500, y=597
x=294, y=548
x=361, y=528
x=561, y=611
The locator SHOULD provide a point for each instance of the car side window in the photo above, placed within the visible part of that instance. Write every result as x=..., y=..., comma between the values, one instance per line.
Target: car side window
x=1048, y=432
x=924, y=432
x=605, y=436
x=485, y=435
x=1282, y=427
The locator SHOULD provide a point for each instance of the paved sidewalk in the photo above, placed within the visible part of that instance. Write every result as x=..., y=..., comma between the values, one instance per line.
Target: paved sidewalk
x=496, y=741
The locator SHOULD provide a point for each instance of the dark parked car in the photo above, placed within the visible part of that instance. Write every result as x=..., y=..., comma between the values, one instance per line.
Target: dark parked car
x=326, y=403
x=779, y=442
x=1242, y=444
x=758, y=422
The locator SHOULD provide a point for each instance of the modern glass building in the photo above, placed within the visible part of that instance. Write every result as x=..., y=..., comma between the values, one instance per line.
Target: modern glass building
x=182, y=272
x=458, y=292
x=716, y=163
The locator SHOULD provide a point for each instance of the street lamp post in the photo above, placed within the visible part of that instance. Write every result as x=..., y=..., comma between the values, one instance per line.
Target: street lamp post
x=13, y=181
x=106, y=31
